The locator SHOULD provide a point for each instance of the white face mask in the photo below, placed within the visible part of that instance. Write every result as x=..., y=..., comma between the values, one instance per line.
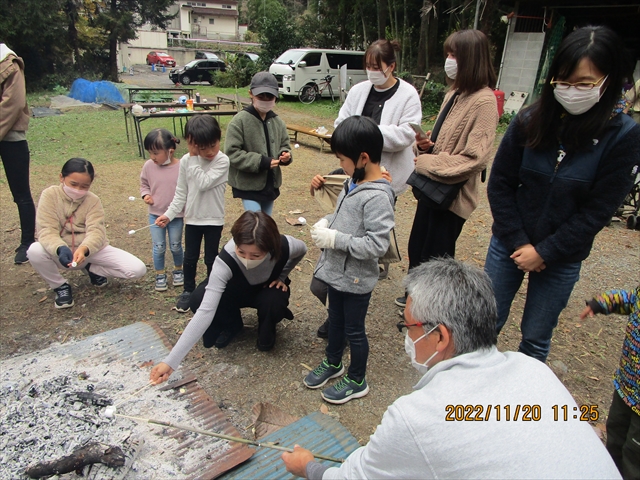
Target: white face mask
x=577, y=102
x=249, y=264
x=74, y=193
x=264, y=106
x=410, y=348
x=451, y=68
x=377, y=77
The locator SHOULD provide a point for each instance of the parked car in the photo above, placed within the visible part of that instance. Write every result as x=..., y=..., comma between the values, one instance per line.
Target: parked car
x=242, y=56
x=207, y=55
x=160, y=58
x=196, y=71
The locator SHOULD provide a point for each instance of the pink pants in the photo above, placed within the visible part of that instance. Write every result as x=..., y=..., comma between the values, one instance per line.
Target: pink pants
x=108, y=262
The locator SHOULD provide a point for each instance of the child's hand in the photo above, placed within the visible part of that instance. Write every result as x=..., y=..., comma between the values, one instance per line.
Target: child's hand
x=275, y=162
x=424, y=143
x=316, y=183
x=162, y=221
x=160, y=373
x=285, y=158
x=80, y=254
x=586, y=312
x=386, y=175
x=194, y=151
x=278, y=284
x=527, y=259
x=148, y=199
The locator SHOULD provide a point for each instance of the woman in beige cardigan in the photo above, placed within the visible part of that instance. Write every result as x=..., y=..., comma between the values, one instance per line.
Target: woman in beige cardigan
x=462, y=148
x=71, y=235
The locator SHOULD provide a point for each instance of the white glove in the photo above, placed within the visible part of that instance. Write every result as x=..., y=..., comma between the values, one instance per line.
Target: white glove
x=323, y=223
x=324, y=237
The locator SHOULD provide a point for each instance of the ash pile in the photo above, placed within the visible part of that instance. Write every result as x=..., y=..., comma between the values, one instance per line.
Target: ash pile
x=52, y=406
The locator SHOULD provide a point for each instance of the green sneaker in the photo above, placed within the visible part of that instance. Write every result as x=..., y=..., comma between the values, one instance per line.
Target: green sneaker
x=345, y=390
x=322, y=374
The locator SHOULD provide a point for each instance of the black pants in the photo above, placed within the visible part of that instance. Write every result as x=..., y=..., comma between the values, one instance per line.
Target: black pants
x=271, y=303
x=193, y=235
x=433, y=234
x=15, y=158
x=623, y=438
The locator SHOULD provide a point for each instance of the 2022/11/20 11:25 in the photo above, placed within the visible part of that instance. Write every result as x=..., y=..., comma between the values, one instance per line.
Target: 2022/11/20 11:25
x=524, y=413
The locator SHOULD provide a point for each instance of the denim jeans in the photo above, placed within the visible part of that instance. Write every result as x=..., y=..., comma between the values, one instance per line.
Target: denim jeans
x=347, y=313
x=548, y=292
x=158, y=237
x=253, y=206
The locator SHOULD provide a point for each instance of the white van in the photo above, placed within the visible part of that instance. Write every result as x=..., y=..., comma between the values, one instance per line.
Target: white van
x=300, y=66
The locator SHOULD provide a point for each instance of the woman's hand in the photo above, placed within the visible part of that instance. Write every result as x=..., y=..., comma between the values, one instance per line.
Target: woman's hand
x=160, y=373
x=424, y=143
x=148, y=199
x=279, y=284
x=296, y=461
x=80, y=254
x=162, y=221
x=316, y=183
x=527, y=259
x=587, y=312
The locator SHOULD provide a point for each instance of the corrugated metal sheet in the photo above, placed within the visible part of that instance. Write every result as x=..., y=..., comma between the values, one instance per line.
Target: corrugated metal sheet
x=141, y=342
x=322, y=434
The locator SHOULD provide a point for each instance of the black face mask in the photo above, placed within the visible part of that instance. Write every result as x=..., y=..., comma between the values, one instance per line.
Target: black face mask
x=358, y=175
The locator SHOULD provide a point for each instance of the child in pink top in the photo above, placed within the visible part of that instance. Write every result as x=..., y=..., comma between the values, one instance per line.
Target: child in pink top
x=158, y=182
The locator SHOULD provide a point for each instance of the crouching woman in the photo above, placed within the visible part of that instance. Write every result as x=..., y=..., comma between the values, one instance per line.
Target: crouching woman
x=251, y=271
x=71, y=235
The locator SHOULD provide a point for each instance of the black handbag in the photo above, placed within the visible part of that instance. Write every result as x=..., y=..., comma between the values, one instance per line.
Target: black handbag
x=437, y=195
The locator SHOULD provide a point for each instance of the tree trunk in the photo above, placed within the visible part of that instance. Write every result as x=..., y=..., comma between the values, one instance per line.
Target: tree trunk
x=113, y=59
x=423, y=47
x=383, y=15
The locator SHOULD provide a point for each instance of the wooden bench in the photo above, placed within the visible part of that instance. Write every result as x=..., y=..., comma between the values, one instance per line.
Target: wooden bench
x=323, y=137
x=235, y=100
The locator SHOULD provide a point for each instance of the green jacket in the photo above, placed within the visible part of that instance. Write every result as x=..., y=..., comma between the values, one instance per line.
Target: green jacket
x=248, y=152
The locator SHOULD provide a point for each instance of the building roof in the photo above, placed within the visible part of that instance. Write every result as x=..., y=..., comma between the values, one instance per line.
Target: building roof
x=226, y=12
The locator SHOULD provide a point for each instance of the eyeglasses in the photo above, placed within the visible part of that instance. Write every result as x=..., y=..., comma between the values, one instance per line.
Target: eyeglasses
x=402, y=325
x=560, y=85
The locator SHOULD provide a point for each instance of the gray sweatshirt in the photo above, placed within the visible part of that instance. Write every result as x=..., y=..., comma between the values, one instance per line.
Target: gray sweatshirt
x=220, y=275
x=363, y=218
x=200, y=190
x=420, y=436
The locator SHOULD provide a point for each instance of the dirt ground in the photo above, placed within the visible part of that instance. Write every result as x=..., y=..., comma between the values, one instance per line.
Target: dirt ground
x=584, y=354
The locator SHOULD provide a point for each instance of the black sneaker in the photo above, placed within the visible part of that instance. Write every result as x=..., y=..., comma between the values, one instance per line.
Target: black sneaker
x=401, y=301
x=96, y=280
x=21, y=255
x=184, y=301
x=323, y=330
x=322, y=374
x=345, y=390
x=64, y=299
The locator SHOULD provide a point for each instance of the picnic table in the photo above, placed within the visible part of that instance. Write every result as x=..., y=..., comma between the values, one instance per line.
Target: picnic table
x=168, y=93
x=126, y=108
x=141, y=117
x=296, y=129
x=235, y=100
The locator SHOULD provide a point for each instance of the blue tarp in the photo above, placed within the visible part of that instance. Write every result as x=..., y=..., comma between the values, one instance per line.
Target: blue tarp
x=95, y=92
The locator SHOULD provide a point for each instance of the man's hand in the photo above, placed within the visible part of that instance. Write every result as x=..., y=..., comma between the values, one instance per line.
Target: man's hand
x=296, y=461
x=148, y=199
x=527, y=259
x=160, y=373
x=316, y=183
x=162, y=221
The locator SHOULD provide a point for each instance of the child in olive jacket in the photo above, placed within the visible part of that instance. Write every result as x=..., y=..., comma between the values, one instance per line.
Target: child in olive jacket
x=257, y=144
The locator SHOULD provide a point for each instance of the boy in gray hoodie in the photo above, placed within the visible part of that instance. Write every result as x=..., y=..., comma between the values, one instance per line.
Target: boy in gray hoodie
x=352, y=239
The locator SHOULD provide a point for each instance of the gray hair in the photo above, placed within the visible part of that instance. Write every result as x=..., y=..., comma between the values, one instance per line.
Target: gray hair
x=447, y=292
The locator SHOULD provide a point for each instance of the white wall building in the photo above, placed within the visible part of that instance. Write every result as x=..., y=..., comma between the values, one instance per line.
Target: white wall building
x=210, y=19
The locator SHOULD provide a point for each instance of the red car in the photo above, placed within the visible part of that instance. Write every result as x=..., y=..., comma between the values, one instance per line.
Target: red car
x=160, y=58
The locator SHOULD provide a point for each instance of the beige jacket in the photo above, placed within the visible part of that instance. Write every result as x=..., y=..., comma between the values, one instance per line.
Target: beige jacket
x=463, y=147
x=14, y=112
x=61, y=221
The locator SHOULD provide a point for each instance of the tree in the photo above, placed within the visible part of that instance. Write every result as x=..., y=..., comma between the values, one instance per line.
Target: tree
x=278, y=33
x=119, y=19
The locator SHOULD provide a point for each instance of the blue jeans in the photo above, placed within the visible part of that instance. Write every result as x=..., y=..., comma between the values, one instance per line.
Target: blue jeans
x=548, y=292
x=253, y=206
x=158, y=237
x=347, y=313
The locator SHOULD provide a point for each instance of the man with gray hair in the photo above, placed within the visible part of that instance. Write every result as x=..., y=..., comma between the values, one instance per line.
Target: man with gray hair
x=476, y=412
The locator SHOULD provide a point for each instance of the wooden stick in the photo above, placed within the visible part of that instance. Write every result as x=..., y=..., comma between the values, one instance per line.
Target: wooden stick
x=225, y=437
x=87, y=455
x=134, y=393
